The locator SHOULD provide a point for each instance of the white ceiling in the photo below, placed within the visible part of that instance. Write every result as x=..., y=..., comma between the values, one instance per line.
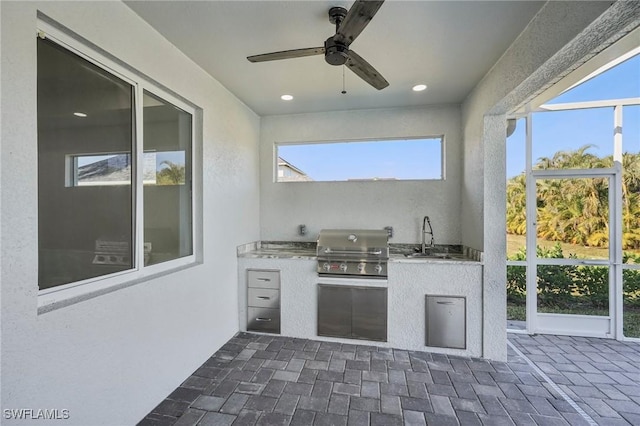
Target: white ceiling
x=447, y=45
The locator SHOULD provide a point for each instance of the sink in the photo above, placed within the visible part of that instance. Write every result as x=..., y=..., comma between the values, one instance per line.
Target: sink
x=410, y=251
x=430, y=255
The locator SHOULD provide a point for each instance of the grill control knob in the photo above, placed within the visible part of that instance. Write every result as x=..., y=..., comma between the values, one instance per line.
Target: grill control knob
x=362, y=267
x=326, y=267
x=343, y=267
x=378, y=269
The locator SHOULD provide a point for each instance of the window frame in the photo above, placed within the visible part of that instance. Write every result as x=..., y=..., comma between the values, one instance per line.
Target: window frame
x=50, y=298
x=440, y=137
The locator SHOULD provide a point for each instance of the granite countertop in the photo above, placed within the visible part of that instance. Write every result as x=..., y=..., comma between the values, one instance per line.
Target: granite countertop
x=278, y=250
x=397, y=252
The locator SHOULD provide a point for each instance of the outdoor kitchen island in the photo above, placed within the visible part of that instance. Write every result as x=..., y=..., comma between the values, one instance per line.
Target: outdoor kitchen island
x=410, y=280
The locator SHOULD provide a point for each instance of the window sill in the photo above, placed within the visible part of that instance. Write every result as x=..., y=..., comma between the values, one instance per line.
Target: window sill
x=53, y=299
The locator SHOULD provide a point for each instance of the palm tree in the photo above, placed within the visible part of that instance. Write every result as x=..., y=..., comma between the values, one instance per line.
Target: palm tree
x=577, y=210
x=631, y=200
x=516, y=205
x=172, y=174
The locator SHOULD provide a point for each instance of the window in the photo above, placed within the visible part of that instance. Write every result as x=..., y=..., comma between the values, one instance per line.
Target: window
x=167, y=197
x=114, y=171
x=397, y=159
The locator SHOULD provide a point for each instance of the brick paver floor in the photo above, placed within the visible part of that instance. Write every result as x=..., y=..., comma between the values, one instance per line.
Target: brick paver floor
x=601, y=376
x=274, y=380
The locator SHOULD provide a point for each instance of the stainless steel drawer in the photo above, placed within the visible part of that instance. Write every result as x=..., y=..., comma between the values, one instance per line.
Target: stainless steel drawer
x=264, y=319
x=263, y=298
x=263, y=279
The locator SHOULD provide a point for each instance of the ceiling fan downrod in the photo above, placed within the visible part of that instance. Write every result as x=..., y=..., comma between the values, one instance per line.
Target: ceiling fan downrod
x=336, y=16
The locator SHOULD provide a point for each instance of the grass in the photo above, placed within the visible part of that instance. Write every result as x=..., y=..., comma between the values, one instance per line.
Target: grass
x=515, y=242
x=631, y=316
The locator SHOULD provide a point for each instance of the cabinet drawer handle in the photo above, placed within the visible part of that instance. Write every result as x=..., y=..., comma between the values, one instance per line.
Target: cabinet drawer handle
x=263, y=319
x=444, y=303
x=264, y=279
x=263, y=297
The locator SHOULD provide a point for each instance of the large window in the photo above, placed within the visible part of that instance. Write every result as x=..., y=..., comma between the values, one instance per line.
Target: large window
x=114, y=171
x=396, y=159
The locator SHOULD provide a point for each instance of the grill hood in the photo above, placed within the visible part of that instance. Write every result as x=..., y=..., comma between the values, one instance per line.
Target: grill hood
x=353, y=242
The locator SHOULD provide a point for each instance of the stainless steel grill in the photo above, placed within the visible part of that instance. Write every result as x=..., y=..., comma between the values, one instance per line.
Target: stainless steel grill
x=353, y=253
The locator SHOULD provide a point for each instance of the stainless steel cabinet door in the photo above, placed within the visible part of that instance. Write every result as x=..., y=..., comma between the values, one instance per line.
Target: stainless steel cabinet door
x=334, y=311
x=369, y=313
x=446, y=322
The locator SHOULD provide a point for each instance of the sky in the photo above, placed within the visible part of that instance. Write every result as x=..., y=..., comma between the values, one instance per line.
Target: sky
x=400, y=159
x=569, y=130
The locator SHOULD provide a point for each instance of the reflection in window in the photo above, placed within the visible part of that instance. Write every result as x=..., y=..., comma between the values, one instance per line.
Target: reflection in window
x=167, y=189
x=169, y=168
x=400, y=159
x=159, y=168
x=98, y=170
x=83, y=232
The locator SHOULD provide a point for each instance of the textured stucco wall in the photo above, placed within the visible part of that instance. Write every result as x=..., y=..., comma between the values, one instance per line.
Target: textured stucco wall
x=409, y=283
x=561, y=37
x=401, y=204
x=110, y=359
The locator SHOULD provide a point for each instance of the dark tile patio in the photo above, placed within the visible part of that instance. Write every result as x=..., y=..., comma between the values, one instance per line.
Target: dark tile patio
x=272, y=380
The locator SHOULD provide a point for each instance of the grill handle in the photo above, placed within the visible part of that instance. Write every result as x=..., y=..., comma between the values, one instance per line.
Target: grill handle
x=373, y=252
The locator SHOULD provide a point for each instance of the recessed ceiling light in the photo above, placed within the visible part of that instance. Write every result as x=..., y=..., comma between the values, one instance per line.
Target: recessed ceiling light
x=79, y=114
x=286, y=97
x=419, y=87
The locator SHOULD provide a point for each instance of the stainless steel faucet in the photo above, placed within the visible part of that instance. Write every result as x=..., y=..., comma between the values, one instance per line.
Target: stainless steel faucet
x=426, y=222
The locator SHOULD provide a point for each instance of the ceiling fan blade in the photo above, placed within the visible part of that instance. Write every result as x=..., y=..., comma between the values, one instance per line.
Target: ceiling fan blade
x=365, y=71
x=286, y=54
x=356, y=20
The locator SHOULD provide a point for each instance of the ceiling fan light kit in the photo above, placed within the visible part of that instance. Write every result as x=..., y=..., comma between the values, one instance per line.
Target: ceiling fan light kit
x=335, y=53
x=349, y=24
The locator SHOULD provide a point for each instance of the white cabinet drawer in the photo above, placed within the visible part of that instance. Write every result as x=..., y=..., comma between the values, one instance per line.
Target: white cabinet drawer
x=263, y=279
x=263, y=297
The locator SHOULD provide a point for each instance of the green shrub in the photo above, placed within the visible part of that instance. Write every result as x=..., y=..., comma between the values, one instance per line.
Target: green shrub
x=565, y=286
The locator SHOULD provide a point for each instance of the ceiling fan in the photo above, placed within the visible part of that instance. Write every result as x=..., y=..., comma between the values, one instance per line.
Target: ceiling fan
x=349, y=24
